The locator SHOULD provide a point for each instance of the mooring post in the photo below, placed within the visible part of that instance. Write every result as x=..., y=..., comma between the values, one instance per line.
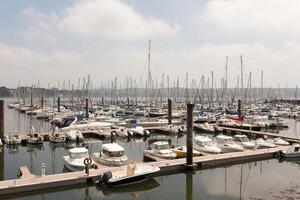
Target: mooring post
x=189, y=185
x=102, y=101
x=239, y=108
x=169, y=111
x=87, y=108
x=2, y=119
x=42, y=102
x=189, y=137
x=58, y=104
x=128, y=103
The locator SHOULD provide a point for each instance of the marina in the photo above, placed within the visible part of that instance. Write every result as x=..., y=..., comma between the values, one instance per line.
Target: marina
x=149, y=100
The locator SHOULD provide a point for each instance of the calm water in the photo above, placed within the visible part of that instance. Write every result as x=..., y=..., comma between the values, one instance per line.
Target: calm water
x=269, y=179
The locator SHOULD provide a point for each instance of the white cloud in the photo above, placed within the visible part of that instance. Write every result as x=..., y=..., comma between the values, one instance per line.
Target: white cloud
x=107, y=19
x=271, y=16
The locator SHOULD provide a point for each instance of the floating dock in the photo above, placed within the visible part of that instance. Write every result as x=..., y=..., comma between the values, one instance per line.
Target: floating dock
x=30, y=183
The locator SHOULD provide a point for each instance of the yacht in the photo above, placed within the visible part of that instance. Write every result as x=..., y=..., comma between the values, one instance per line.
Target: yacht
x=205, y=144
x=74, y=136
x=12, y=139
x=261, y=144
x=140, y=131
x=35, y=139
x=57, y=138
x=161, y=149
x=227, y=144
x=75, y=160
x=244, y=141
x=133, y=173
x=292, y=151
x=206, y=127
x=112, y=155
x=278, y=141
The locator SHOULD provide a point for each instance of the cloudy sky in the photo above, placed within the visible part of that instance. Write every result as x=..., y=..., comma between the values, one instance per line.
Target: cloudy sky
x=55, y=40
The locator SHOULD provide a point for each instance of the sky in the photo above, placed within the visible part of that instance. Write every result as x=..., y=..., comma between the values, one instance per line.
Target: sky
x=51, y=41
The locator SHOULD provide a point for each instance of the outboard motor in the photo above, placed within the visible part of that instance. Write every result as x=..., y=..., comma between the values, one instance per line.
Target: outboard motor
x=104, y=178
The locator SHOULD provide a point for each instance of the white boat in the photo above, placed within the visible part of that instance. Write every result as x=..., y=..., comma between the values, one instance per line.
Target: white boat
x=206, y=127
x=161, y=149
x=261, y=143
x=74, y=136
x=292, y=152
x=279, y=141
x=57, y=138
x=1, y=144
x=205, y=144
x=140, y=131
x=244, y=141
x=12, y=139
x=35, y=139
x=111, y=155
x=131, y=174
x=75, y=160
x=227, y=145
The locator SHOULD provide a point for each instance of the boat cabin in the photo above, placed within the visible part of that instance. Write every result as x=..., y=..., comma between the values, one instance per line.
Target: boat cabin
x=78, y=153
x=112, y=150
x=224, y=139
x=241, y=138
x=161, y=146
x=203, y=141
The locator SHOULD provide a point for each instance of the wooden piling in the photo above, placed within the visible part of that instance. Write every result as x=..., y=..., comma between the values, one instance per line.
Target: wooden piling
x=87, y=108
x=189, y=136
x=128, y=103
x=42, y=102
x=58, y=104
x=239, y=108
x=2, y=119
x=169, y=111
x=189, y=185
x=102, y=101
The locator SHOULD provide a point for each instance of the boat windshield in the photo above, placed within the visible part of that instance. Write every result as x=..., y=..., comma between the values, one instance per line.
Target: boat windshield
x=208, y=143
x=228, y=140
x=242, y=139
x=163, y=147
x=113, y=153
x=79, y=155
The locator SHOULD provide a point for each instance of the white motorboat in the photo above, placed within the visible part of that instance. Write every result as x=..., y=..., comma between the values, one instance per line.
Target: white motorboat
x=227, y=145
x=35, y=139
x=280, y=141
x=12, y=139
x=161, y=149
x=112, y=155
x=292, y=151
x=74, y=136
x=140, y=131
x=131, y=174
x=205, y=144
x=57, y=138
x=1, y=144
x=261, y=143
x=75, y=160
x=206, y=127
x=244, y=141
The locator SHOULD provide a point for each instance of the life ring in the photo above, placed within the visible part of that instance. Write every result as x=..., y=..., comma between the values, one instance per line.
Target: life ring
x=87, y=161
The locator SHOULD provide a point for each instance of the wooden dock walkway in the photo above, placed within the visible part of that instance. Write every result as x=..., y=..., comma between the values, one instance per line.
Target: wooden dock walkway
x=33, y=183
x=261, y=133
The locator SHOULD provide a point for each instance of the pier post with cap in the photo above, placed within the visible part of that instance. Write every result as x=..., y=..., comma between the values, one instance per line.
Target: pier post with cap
x=239, y=108
x=189, y=137
x=169, y=111
x=87, y=108
x=42, y=102
x=58, y=104
x=2, y=119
